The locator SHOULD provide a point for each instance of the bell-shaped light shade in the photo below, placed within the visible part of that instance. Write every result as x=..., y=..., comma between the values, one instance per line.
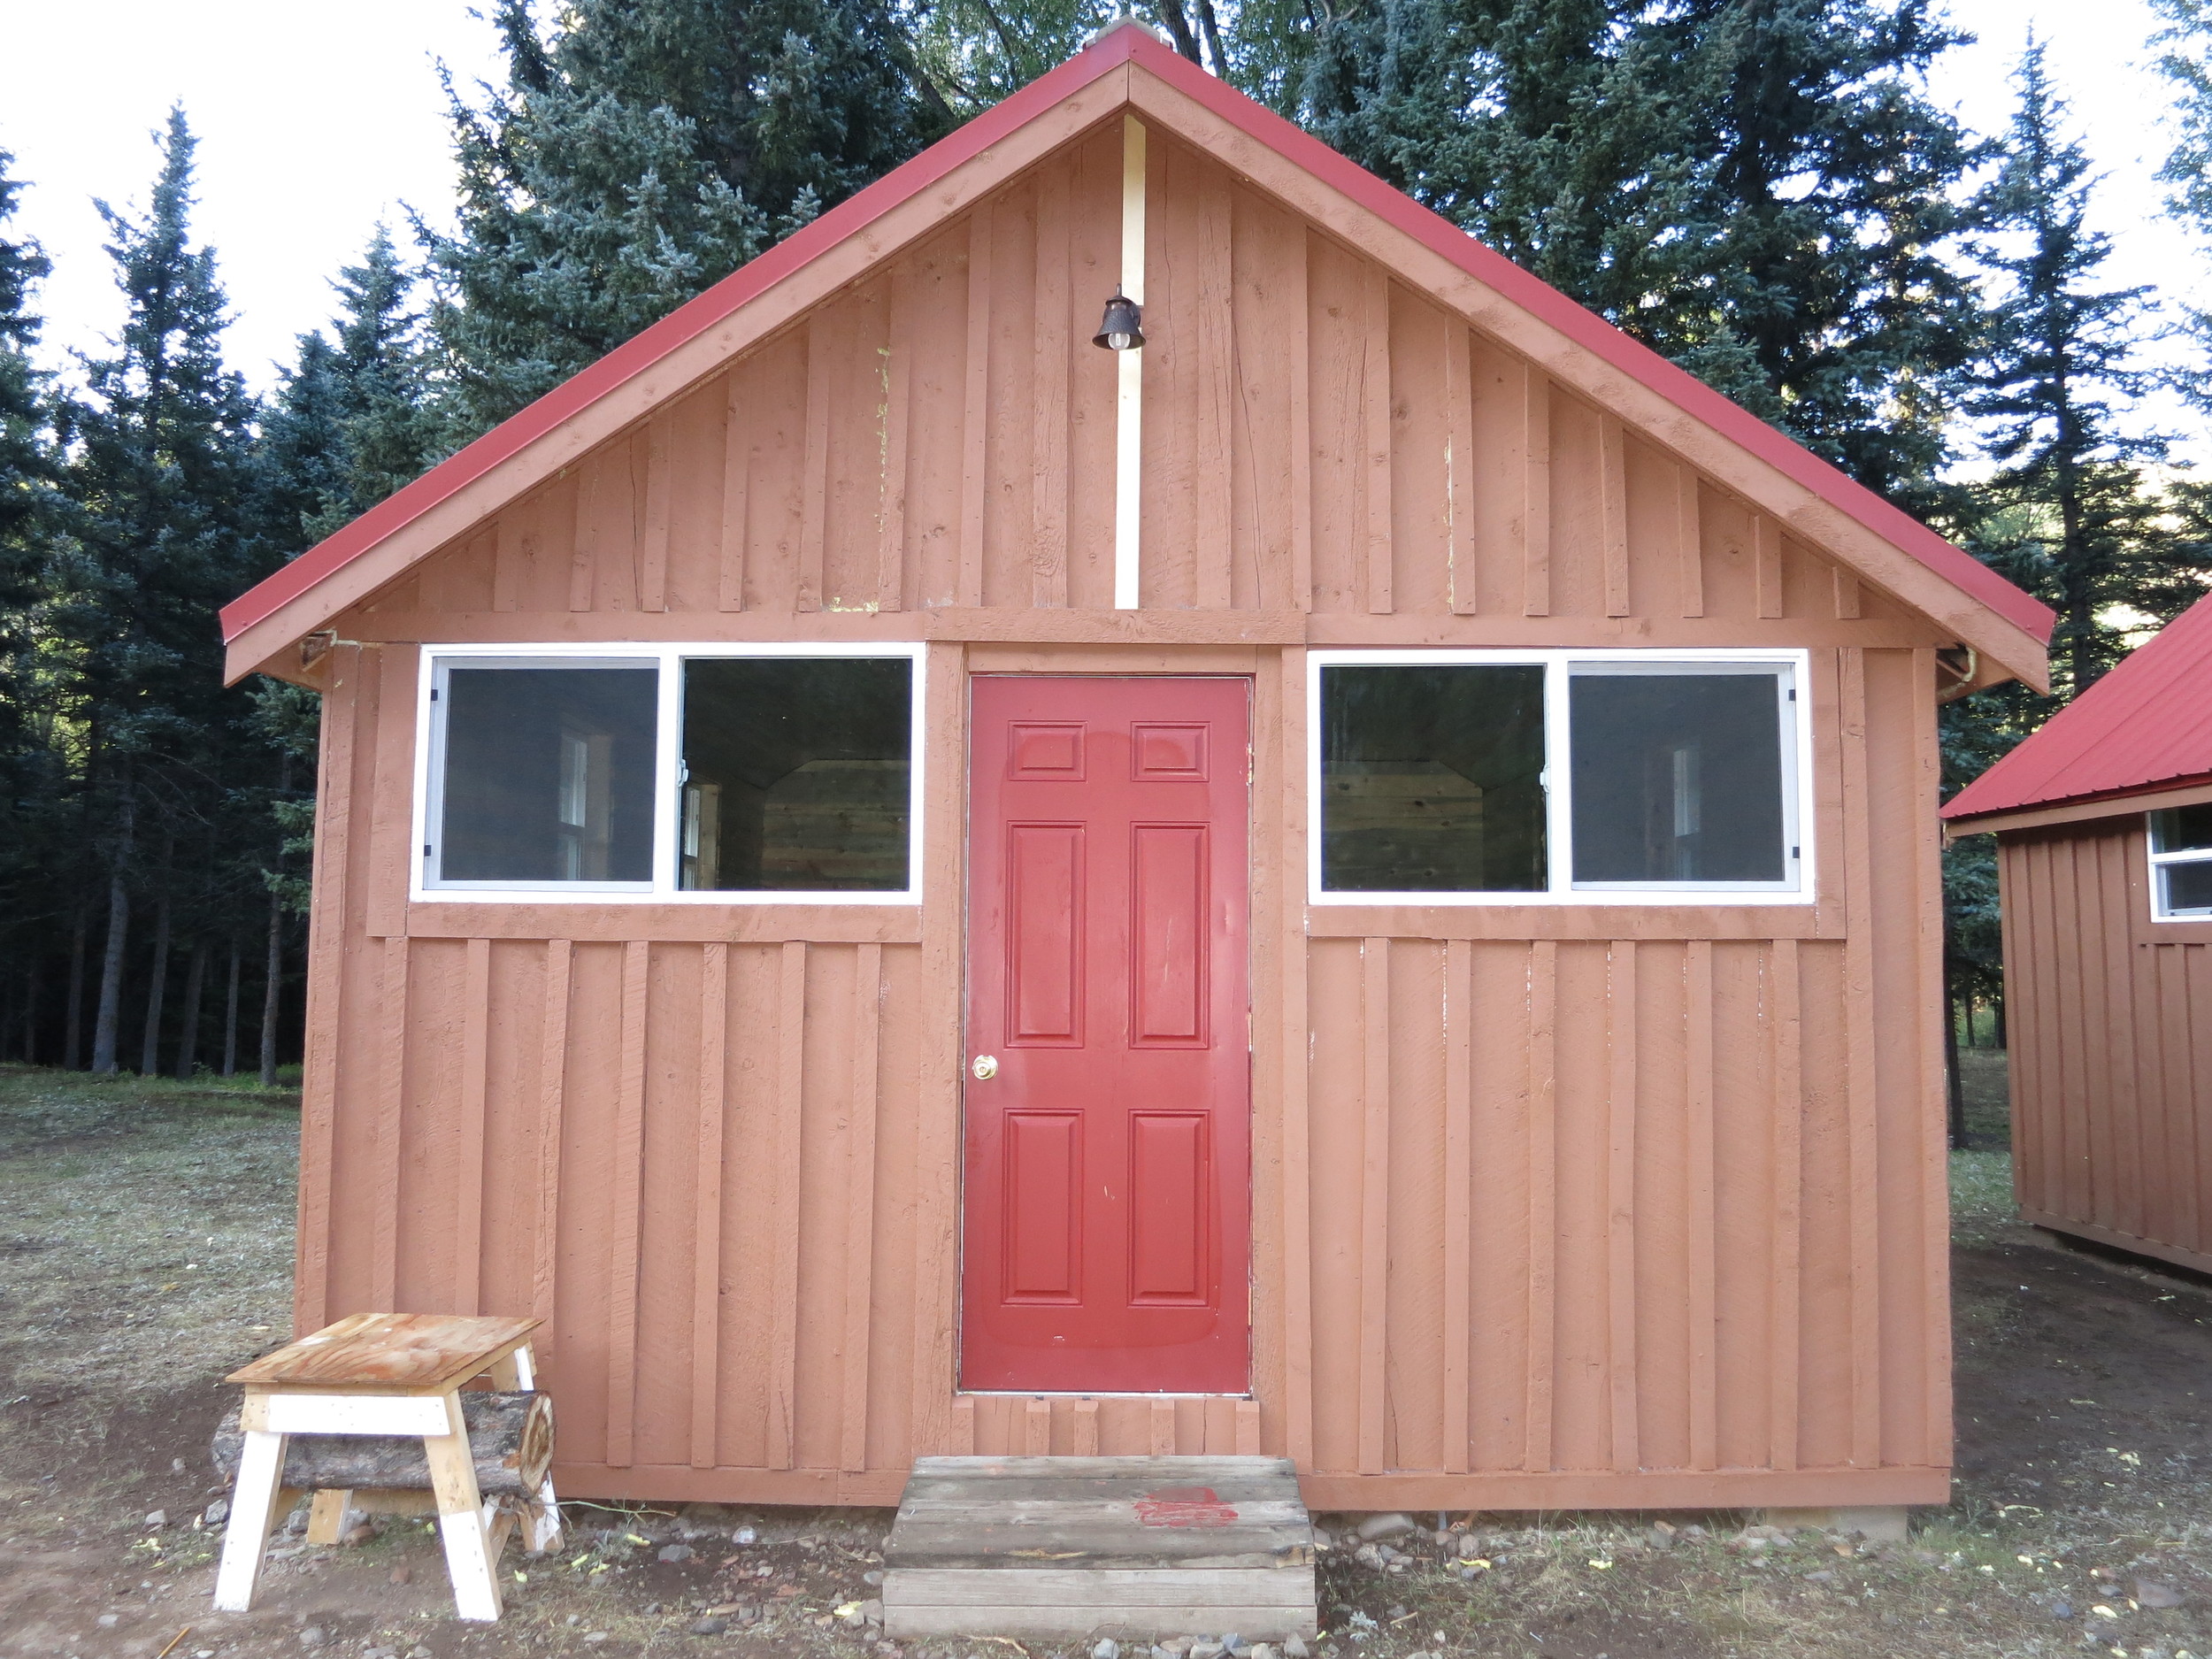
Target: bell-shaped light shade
x=1122, y=329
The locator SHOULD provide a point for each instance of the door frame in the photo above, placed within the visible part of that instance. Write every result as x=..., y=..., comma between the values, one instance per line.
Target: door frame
x=1251, y=677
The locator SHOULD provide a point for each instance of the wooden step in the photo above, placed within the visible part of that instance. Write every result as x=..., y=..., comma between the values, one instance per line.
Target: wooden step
x=1070, y=1547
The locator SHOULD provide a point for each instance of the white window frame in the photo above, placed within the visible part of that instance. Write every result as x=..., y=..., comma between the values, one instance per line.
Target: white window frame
x=424, y=886
x=1792, y=670
x=2158, y=862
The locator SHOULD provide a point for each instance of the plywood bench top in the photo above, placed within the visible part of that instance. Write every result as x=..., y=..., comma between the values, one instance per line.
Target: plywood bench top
x=390, y=1353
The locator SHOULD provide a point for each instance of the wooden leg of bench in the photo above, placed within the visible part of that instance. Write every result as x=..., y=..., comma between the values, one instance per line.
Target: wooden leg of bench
x=461, y=1518
x=253, y=1503
x=541, y=1514
x=326, y=1517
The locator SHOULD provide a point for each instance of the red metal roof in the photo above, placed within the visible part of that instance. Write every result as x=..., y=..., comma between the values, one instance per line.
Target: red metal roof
x=1123, y=45
x=2147, y=725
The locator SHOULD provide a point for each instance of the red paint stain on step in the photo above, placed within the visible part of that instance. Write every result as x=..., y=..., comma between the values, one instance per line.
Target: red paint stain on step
x=1183, y=1506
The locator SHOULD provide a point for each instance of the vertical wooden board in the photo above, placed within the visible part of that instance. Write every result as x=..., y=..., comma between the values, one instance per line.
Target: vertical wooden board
x=2123, y=1103
x=1213, y=379
x=668, y=1221
x=429, y=1196
x=786, y=1152
x=1612, y=497
x=1267, y=301
x=698, y=428
x=1766, y=557
x=1377, y=550
x=776, y=393
x=864, y=1035
x=1011, y=365
x=823, y=332
x=1463, y=583
x=1825, y=1360
x=1336, y=425
x=626, y=1177
x=551, y=1104
x=459, y=576
x=1497, y=475
x=1785, y=1112
x=1335, y=991
x=327, y=930
x=1899, y=1201
x=1537, y=494
x=1423, y=389
x=1458, y=1180
x=1095, y=374
x=516, y=1011
x=2194, y=968
x=751, y=1174
x=1544, y=1280
x=1650, y=480
x=510, y=562
x=1623, y=1023
x=656, y=459
x=1689, y=541
x=1927, y=1419
x=1850, y=597
x=1876, y=935
x=936, y=295
x=548, y=522
x=609, y=507
x=897, y=421
x=1582, y=1405
x=389, y=852
x=827, y=1093
x=1576, y=586
x=711, y=1106
x=1747, y=1046
x=1700, y=1310
x=1047, y=416
x=940, y=1067
x=905, y=1045
x=1220, y=1437
x=1501, y=1109
x=1374, y=1207
x=1660, y=1265
x=387, y=1147
x=1414, y=1356
x=1729, y=566
x=735, y=542
x=854, y=333
x=1294, y=1032
x=2187, y=1145
x=471, y=1126
x=590, y=1116
x=1085, y=1438
x=975, y=369
x=1275, y=900
x=1168, y=539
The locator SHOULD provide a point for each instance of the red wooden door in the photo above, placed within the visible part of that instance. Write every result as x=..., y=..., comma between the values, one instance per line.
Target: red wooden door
x=1109, y=1164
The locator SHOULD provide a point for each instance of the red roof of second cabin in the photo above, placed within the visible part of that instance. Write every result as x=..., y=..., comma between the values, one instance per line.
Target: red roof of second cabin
x=2147, y=725
x=1119, y=45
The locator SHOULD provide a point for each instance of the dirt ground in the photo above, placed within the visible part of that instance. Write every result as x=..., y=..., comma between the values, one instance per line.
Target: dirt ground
x=145, y=1241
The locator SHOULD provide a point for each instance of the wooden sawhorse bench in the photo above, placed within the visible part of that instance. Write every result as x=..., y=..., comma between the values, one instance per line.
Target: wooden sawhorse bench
x=383, y=1374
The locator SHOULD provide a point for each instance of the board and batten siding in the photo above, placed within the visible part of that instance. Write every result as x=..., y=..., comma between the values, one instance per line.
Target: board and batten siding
x=2109, y=1015
x=1554, y=1207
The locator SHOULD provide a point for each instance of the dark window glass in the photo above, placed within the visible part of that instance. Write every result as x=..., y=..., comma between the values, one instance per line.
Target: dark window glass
x=2188, y=887
x=1432, y=778
x=548, y=774
x=1677, y=778
x=2182, y=829
x=797, y=774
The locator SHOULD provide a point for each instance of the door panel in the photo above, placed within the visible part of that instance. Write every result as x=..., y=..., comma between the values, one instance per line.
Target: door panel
x=1107, y=1215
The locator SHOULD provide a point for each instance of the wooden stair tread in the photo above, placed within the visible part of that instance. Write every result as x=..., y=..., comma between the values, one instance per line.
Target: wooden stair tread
x=1062, y=1546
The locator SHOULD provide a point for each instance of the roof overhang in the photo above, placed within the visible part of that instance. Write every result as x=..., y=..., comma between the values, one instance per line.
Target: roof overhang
x=1128, y=69
x=2086, y=810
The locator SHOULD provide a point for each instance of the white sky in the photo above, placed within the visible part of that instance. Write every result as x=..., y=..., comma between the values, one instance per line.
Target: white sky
x=317, y=118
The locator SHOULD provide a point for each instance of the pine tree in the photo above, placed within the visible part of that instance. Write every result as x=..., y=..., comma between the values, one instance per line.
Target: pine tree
x=2075, y=521
x=642, y=149
x=159, y=481
x=2186, y=61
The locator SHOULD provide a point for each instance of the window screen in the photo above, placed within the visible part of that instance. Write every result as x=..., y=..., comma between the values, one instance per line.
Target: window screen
x=548, y=774
x=1432, y=778
x=2181, y=859
x=1678, y=777
x=796, y=773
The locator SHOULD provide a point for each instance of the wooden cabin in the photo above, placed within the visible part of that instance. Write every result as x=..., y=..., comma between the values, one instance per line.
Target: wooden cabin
x=1355, y=879
x=2103, y=821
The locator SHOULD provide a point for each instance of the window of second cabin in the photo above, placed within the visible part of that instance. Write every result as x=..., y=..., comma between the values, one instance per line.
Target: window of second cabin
x=1433, y=779
x=2181, y=862
x=797, y=774
x=1678, y=776
x=546, y=775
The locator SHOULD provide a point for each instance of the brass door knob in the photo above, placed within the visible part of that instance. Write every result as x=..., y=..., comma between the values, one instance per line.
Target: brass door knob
x=985, y=1067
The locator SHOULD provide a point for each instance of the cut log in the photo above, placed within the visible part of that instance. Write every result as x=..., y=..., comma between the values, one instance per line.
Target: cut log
x=511, y=1435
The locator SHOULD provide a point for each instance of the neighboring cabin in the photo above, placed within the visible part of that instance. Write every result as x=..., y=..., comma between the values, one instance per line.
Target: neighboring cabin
x=2103, y=821
x=1357, y=879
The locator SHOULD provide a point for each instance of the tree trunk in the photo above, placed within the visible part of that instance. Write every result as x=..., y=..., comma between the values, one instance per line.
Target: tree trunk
x=230, y=1018
x=1997, y=1011
x=158, y=986
x=108, y=1019
x=269, y=991
x=188, y=1039
x=1957, y=1102
x=512, y=1435
x=72, y=1022
x=30, y=1019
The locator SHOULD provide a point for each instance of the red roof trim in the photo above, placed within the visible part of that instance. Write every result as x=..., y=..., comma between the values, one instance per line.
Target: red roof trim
x=1123, y=45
